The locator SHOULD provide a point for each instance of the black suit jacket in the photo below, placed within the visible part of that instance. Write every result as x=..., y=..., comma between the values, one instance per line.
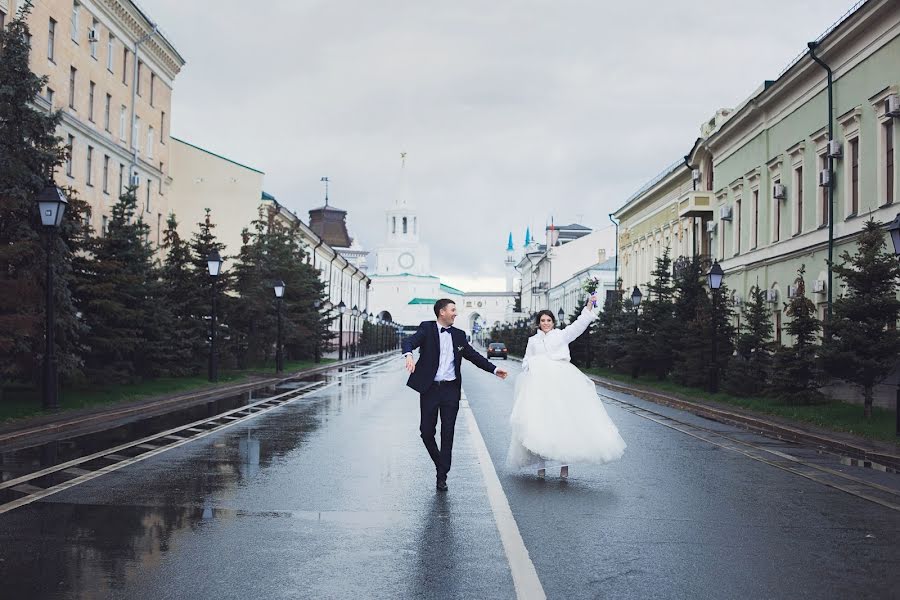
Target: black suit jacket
x=429, y=345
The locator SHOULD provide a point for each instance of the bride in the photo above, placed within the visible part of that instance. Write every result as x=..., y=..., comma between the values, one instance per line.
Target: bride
x=557, y=415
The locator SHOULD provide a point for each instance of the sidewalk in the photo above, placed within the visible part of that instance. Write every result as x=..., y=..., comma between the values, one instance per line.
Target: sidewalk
x=869, y=452
x=43, y=428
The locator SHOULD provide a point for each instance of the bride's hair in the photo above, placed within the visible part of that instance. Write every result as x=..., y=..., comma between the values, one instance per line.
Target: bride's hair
x=537, y=320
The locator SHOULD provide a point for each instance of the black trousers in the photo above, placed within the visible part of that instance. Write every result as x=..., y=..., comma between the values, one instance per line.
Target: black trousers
x=440, y=399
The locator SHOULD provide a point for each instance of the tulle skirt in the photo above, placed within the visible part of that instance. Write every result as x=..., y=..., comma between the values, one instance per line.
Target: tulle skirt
x=557, y=416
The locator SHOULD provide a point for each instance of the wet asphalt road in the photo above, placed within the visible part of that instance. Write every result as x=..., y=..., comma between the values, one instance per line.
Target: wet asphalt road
x=332, y=496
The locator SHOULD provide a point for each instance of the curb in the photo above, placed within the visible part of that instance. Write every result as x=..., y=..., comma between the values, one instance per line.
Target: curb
x=85, y=423
x=760, y=425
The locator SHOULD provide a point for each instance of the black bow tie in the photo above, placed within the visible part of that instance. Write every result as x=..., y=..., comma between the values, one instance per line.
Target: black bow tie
x=443, y=329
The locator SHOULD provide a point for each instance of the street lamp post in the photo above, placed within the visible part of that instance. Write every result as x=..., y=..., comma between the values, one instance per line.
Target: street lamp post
x=363, y=320
x=213, y=266
x=636, y=303
x=52, y=206
x=341, y=308
x=317, y=305
x=354, y=347
x=561, y=314
x=894, y=230
x=279, y=348
x=714, y=278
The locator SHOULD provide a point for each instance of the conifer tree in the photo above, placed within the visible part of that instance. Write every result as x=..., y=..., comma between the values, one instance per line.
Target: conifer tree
x=29, y=151
x=864, y=343
x=796, y=376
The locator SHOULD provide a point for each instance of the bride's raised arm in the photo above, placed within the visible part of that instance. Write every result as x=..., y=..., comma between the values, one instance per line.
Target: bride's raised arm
x=584, y=320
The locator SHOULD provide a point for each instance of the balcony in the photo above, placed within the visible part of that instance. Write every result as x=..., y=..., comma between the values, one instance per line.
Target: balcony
x=696, y=204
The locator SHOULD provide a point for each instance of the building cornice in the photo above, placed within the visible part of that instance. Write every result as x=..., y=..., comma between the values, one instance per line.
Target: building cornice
x=137, y=23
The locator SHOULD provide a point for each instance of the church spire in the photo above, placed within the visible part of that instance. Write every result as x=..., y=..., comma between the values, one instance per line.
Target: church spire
x=509, y=244
x=527, y=236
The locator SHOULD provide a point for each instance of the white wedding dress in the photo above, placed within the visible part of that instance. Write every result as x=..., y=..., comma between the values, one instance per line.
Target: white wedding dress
x=557, y=415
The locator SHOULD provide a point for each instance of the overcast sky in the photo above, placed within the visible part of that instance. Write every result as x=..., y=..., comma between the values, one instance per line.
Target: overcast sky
x=511, y=111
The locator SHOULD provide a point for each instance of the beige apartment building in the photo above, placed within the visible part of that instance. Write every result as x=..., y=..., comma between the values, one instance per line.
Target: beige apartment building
x=111, y=73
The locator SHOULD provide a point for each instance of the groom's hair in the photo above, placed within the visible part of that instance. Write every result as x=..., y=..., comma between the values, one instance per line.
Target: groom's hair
x=441, y=305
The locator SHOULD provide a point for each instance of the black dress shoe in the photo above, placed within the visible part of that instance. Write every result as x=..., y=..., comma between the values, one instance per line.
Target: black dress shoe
x=442, y=485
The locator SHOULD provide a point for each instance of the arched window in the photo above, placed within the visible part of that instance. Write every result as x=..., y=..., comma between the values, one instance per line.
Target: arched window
x=404, y=226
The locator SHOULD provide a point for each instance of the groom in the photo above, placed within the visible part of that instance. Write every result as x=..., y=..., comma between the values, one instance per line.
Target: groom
x=438, y=380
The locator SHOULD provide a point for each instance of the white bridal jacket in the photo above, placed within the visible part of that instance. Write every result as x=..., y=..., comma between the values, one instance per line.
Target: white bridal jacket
x=555, y=343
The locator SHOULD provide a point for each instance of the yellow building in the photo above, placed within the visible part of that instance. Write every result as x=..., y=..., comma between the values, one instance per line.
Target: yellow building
x=111, y=73
x=202, y=179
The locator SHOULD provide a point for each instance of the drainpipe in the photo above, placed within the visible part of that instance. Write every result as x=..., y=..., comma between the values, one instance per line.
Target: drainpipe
x=132, y=169
x=812, y=53
x=616, y=276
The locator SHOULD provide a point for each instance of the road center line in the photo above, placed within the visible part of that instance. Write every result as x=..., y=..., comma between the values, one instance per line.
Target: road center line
x=524, y=575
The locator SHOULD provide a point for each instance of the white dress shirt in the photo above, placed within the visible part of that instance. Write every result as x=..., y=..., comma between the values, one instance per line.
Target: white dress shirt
x=555, y=343
x=446, y=369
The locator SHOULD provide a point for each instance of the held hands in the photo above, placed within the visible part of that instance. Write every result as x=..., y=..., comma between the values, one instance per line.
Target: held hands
x=410, y=364
x=592, y=302
x=501, y=373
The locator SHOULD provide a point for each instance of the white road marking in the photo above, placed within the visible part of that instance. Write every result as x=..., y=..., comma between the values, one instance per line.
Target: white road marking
x=524, y=575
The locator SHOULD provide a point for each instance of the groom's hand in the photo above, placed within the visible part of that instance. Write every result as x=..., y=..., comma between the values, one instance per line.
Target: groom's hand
x=501, y=373
x=410, y=364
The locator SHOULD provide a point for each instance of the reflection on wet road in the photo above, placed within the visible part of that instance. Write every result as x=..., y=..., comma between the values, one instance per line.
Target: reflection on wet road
x=332, y=496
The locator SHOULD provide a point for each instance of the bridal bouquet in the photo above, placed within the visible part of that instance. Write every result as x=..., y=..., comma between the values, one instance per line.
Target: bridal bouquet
x=590, y=287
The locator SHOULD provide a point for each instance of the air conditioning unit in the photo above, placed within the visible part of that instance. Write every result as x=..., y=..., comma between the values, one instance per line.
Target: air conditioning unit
x=738, y=301
x=134, y=180
x=725, y=213
x=892, y=106
x=710, y=227
x=825, y=178
x=793, y=291
x=779, y=192
x=819, y=286
x=772, y=296
x=834, y=149
x=93, y=36
x=695, y=174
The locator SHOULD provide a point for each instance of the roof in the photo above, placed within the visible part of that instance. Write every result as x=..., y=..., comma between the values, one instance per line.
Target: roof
x=451, y=289
x=422, y=301
x=403, y=275
x=268, y=196
x=571, y=226
x=328, y=208
x=234, y=162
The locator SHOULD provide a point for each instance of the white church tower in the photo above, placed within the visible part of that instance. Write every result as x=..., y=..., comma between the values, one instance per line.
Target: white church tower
x=402, y=251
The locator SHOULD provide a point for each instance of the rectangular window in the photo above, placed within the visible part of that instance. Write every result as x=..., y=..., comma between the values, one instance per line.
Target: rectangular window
x=158, y=229
x=72, y=72
x=798, y=187
x=94, y=36
x=50, y=96
x=106, y=108
x=74, y=24
x=90, y=165
x=140, y=67
x=91, y=88
x=889, y=162
x=149, y=187
x=105, y=174
x=152, y=87
x=70, y=146
x=737, y=226
x=123, y=119
x=2, y=19
x=125, y=65
x=104, y=227
x=51, y=40
x=854, y=176
x=121, y=178
x=162, y=176
x=136, y=134
x=755, y=218
x=150, y=142
x=110, y=49
x=776, y=233
x=823, y=193
x=162, y=127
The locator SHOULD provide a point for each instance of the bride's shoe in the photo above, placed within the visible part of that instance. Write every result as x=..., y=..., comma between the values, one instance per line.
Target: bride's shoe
x=542, y=473
x=564, y=471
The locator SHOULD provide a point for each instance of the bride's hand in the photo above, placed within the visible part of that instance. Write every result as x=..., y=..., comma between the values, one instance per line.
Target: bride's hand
x=590, y=303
